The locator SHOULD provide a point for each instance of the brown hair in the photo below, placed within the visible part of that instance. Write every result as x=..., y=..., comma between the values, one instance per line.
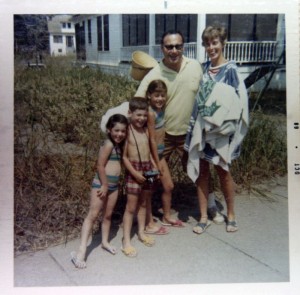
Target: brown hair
x=116, y=118
x=138, y=103
x=214, y=32
x=156, y=86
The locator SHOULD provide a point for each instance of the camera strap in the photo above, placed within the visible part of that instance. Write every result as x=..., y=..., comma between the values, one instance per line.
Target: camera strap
x=137, y=146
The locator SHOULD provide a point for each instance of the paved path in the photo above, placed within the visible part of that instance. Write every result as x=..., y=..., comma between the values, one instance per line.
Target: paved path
x=257, y=253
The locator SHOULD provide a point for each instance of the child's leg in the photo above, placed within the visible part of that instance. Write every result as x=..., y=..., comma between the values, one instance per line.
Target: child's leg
x=96, y=204
x=168, y=187
x=130, y=210
x=144, y=198
x=150, y=223
x=153, y=227
x=227, y=185
x=106, y=222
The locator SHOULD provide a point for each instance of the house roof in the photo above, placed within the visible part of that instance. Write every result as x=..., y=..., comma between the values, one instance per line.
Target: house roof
x=54, y=22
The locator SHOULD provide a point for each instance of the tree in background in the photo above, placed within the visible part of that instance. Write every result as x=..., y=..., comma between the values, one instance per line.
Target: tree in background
x=31, y=37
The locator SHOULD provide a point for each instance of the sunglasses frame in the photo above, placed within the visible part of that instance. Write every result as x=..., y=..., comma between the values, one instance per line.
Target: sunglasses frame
x=170, y=47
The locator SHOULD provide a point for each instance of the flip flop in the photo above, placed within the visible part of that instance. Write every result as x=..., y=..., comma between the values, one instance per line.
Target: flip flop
x=177, y=223
x=231, y=226
x=78, y=263
x=111, y=249
x=201, y=227
x=129, y=251
x=160, y=231
x=147, y=241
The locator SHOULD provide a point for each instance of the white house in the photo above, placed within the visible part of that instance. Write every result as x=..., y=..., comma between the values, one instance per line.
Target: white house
x=255, y=41
x=61, y=35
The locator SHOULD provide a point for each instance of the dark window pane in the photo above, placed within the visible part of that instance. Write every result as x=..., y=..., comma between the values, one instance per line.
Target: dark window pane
x=106, y=32
x=185, y=23
x=246, y=27
x=90, y=31
x=135, y=29
x=99, y=30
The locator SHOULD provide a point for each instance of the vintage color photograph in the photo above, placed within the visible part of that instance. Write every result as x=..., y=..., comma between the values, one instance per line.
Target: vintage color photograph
x=151, y=149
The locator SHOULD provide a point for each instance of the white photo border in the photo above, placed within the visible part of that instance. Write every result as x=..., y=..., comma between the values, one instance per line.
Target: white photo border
x=10, y=7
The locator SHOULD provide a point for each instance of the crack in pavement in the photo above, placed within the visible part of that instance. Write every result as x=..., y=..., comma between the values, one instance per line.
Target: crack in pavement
x=62, y=268
x=248, y=255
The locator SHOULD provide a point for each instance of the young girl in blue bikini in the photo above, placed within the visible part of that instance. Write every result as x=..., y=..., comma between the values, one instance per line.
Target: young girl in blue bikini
x=104, y=192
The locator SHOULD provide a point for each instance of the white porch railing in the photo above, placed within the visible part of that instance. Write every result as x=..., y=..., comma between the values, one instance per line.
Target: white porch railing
x=251, y=52
x=241, y=52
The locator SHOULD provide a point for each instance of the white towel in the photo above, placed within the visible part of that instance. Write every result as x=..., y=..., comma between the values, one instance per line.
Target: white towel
x=120, y=109
x=226, y=121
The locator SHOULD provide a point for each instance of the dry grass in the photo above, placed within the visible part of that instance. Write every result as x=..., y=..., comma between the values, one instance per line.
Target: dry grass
x=57, y=136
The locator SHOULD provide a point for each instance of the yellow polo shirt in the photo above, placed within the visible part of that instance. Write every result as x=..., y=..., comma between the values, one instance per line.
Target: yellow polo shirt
x=182, y=89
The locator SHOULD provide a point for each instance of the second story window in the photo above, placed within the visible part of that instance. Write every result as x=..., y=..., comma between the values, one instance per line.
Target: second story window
x=69, y=25
x=103, y=32
x=64, y=25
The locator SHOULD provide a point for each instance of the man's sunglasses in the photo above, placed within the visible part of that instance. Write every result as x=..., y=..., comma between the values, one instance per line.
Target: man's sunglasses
x=171, y=47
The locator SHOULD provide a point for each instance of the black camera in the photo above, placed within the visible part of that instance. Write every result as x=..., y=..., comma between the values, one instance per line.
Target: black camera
x=151, y=175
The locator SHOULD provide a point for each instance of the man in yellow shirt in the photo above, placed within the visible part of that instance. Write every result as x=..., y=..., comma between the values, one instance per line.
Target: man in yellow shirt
x=182, y=77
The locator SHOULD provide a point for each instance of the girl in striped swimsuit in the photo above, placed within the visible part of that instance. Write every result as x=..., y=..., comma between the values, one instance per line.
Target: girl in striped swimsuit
x=104, y=192
x=157, y=96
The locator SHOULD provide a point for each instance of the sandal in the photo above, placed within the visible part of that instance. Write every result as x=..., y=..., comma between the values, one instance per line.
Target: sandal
x=129, y=251
x=176, y=223
x=147, y=241
x=78, y=263
x=231, y=226
x=201, y=227
x=156, y=231
x=111, y=249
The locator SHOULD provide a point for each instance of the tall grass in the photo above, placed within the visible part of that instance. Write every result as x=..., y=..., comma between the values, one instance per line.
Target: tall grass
x=57, y=136
x=264, y=151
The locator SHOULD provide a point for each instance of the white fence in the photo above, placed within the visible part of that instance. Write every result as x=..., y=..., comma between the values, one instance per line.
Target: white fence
x=241, y=52
x=251, y=52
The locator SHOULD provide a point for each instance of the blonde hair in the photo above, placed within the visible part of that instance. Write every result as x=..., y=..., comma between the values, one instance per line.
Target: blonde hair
x=211, y=32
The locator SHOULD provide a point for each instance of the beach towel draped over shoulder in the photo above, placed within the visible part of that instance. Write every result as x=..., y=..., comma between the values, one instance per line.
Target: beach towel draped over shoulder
x=120, y=109
x=218, y=120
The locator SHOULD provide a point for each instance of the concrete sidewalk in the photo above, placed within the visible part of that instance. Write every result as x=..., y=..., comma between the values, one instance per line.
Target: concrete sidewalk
x=258, y=252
